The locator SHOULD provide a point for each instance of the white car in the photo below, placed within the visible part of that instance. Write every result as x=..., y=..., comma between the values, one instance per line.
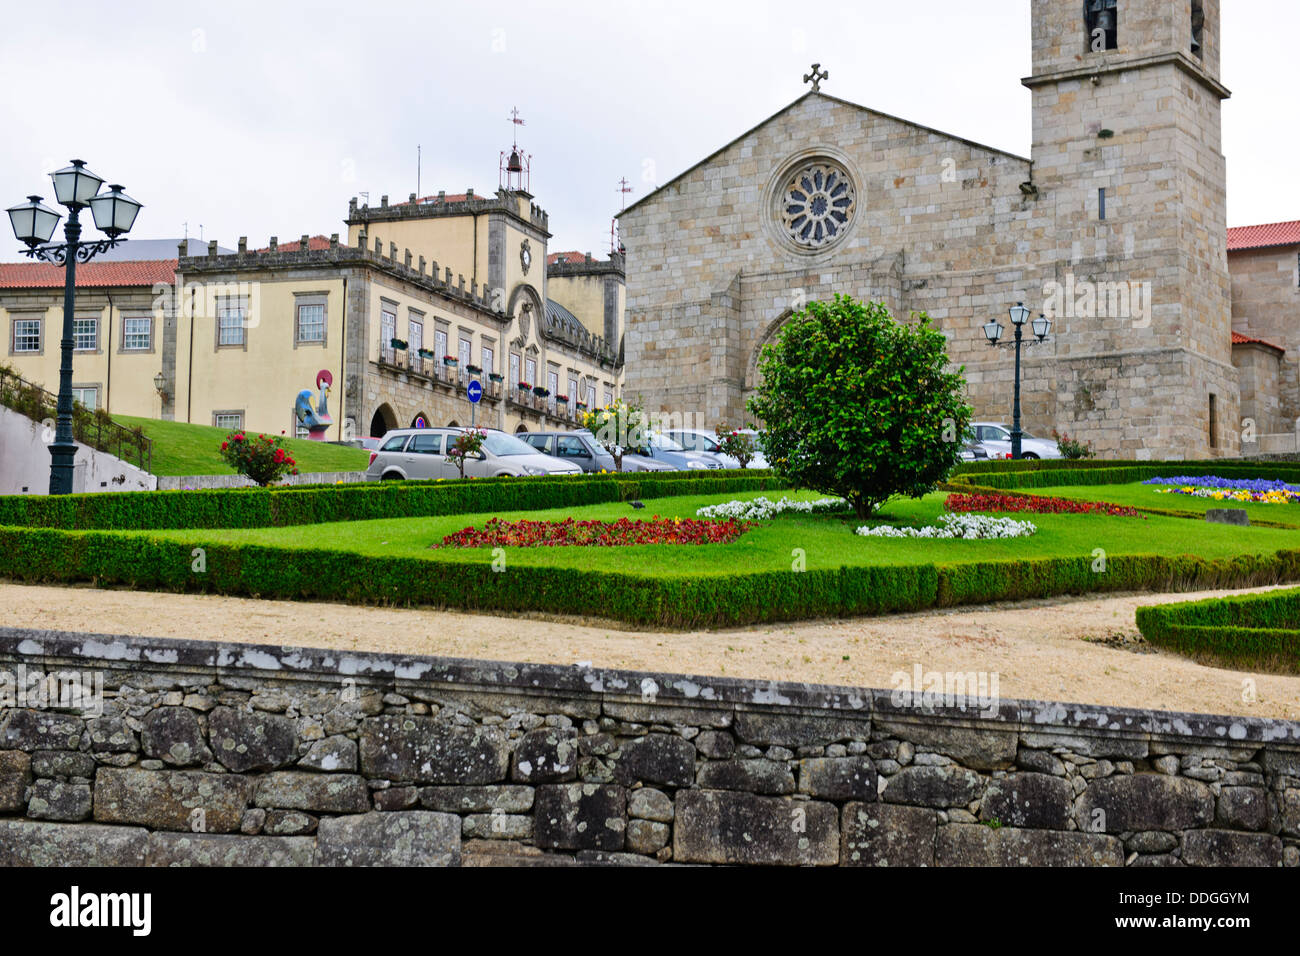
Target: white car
x=995, y=438
x=706, y=443
x=422, y=453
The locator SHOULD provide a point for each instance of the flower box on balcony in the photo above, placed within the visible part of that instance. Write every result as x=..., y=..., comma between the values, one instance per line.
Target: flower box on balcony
x=562, y=399
x=524, y=386
x=474, y=369
x=398, y=344
x=541, y=392
x=495, y=377
x=450, y=361
x=425, y=353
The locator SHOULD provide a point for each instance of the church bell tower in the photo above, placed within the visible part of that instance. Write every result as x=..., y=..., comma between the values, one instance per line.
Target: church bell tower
x=1130, y=221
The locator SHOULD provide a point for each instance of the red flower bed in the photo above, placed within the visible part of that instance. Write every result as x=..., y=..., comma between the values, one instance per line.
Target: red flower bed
x=602, y=534
x=1037, y=504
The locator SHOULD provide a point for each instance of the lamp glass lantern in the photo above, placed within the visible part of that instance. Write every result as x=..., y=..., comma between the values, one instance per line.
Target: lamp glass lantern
x=1019, y=314
x=75, y=185
x=114, y=212
x=33, y=223
x=1042, y=325
x=993, y=331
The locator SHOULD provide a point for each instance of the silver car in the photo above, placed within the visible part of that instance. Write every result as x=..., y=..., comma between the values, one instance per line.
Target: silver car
x=422, y=453
x=995, y=437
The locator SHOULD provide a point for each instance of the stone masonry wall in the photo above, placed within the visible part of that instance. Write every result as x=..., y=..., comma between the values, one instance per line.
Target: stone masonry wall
x=220, y=754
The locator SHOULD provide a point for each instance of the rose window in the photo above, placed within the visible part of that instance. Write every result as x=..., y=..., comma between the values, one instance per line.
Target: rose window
x=817, y=204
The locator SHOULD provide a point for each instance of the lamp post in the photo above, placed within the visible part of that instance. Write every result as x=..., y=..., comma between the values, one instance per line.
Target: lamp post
x=993, y=332
x=114, y=211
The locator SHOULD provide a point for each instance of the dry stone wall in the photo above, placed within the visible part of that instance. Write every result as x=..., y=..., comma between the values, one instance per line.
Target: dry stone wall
x=206, y=753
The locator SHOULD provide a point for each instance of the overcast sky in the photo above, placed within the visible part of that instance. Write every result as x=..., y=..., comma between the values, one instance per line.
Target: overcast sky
x=263, y=118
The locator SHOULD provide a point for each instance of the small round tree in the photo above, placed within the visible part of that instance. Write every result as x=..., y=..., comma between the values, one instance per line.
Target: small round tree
x=739, y=445
x=858, y=405
x=263, y=459
x=620, y=428
x=467, y=444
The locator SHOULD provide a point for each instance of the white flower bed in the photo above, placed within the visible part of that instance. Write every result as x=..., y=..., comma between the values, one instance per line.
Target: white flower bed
x=760, y=508
x=957, y=526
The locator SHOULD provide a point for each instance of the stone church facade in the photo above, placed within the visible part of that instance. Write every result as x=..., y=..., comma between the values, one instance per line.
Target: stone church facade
x=1115, y=227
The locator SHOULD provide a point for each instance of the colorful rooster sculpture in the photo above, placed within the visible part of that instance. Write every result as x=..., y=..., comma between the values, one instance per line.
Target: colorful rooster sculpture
x=317, y=419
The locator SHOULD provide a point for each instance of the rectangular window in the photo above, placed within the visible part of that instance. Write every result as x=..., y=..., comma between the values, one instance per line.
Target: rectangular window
x=514, y=370
x=573, y=390
x=85, y=334
x=387, y=330
x=1101, y=19
x=232, y=324
x=439, y=344
x=591, y=396
x=1214, y=423
x=489, y=360
x=609, y=397
x=1101, y=203
x=87, y=395
x=230, y=421
x=552, y=386
x=466, y=350
x=137, y=334
x=27, y=335
x=417, y=338
x=311, y=323
x=530, y=372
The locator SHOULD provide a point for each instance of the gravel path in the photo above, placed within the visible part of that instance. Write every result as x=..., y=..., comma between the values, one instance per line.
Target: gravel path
x=1085, y=650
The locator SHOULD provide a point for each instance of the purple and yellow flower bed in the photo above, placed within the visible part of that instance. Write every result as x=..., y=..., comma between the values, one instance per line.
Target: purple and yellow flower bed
x=1257, y=490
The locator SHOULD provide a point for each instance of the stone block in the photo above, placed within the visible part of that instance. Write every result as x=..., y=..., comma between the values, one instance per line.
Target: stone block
x=315, y=792
x=1234, y=516
x=940, y=787
x=425, y=750
x=973, y=844
x=39, y=730
x=52, y=800
x=171, y=799
x=405, y=838
x=750, y=776
x=664, y=759
x=71, y=844
x=838, y=778
x=288, y=823
x=1143, y=801
x=978, y=749
x=207, y=849
x=581, y=816
x=715, y=826
x=799, y=730
x=15, y=777
x=1242, y=808
x=1229, y=848
x=647, y=803
x=1028, y=800
x=647, y=836
x=497, y=825
x=507, y=798
x=60, y=763
x=546, y=755
x=252, y=741
x=111, y=735
x=173, y=735
x=336, y=753
x=886, y=835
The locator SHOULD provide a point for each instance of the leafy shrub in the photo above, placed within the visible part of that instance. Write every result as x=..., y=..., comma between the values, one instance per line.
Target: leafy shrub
x=857, y=405
x=1071, y=448
x=467, y=444
x=620, y=428
x=739, y=445
x=263, y=459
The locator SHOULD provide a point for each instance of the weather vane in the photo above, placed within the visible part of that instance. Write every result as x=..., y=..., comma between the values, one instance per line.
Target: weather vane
x=816, y=77
x=518, y=121
x=624, y=188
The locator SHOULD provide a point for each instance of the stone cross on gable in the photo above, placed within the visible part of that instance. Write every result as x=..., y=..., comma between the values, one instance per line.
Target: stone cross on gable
x=816, y=77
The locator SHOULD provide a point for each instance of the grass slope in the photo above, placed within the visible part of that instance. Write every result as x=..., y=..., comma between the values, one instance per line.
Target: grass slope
x=180, y=448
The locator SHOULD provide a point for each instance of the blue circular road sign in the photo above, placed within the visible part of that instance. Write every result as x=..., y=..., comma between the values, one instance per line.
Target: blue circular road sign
x=475, y=390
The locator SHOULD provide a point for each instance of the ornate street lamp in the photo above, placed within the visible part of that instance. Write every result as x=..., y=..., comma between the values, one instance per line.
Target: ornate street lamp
x=993, y=332
x=114, y=212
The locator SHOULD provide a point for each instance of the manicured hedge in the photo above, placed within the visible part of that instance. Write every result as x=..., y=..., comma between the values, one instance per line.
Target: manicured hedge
x=49, y=555
x=1260, y=631
x=1116, y=473
x=265, y=507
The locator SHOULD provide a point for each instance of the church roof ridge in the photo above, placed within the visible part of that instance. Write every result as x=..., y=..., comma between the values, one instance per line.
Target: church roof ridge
x=857, y=106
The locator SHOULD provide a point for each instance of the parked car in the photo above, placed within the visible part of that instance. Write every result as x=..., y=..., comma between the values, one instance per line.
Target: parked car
x=706, y=443
x=995, y=438
x=422, y=453
x=581, y=448
x=664, y=449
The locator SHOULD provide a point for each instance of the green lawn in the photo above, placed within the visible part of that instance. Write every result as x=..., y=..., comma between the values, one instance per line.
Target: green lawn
x=827, y=541
x=183, y=449
x=1139, y=495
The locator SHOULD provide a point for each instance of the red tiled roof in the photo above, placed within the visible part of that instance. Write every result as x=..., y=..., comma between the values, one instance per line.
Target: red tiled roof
x=1239, y=339
x=555, y=257
x=314, y=244
x=1259, y=237
x=91, y=275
